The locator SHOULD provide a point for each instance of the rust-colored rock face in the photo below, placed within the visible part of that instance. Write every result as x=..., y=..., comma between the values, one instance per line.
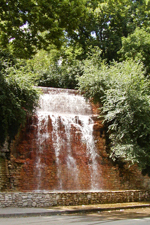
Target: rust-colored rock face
x=57, y=149
x=62, y=147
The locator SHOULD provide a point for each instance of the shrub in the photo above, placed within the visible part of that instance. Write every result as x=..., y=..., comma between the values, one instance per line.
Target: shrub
x=124, y=93
x=17, y=98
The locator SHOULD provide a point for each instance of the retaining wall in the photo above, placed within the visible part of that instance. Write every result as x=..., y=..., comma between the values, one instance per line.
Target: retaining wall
x=31, y=199
x=3, y=174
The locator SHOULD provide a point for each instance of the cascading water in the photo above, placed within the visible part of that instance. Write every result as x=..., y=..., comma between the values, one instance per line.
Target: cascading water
x=63, y=147
x=65, y=125
x=59, y=141
x=42, y=136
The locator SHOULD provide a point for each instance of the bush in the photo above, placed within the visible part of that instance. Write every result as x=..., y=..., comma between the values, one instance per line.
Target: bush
x=52, y=70
x=17, y=98
x=124, y=93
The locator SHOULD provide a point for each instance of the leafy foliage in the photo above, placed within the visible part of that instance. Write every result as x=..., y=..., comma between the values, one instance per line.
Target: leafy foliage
x=28, y=25
x=87, y=33
x=56, y=69
x=124, y=93
x=137, y=46
x=17, y=98
x=106, y=22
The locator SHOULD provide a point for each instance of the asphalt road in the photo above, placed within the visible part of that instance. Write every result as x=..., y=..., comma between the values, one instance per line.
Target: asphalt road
x=73, y=219
x=135, y=216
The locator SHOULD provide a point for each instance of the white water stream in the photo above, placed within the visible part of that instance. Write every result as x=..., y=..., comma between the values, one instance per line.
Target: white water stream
x=69, y=110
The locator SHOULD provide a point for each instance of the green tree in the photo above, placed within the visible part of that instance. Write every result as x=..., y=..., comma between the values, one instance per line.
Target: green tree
x=106, y=22
x=31, y=24
x=137, y=46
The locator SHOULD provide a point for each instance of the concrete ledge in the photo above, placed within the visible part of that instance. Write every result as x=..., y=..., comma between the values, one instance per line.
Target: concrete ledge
x=70, y=198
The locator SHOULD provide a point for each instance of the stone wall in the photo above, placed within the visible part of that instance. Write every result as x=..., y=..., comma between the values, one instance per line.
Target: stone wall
x=4, y=180
x=47, y=199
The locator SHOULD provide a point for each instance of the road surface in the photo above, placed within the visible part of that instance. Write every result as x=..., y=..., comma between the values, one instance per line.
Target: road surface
x=94, y=219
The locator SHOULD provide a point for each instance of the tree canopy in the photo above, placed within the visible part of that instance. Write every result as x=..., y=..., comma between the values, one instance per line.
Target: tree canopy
x=33, y=24
x=99, y=46
x=26, y=26
x=137, y=46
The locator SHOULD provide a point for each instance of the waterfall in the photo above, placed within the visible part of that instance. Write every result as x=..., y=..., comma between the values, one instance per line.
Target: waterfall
x=65, y=126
